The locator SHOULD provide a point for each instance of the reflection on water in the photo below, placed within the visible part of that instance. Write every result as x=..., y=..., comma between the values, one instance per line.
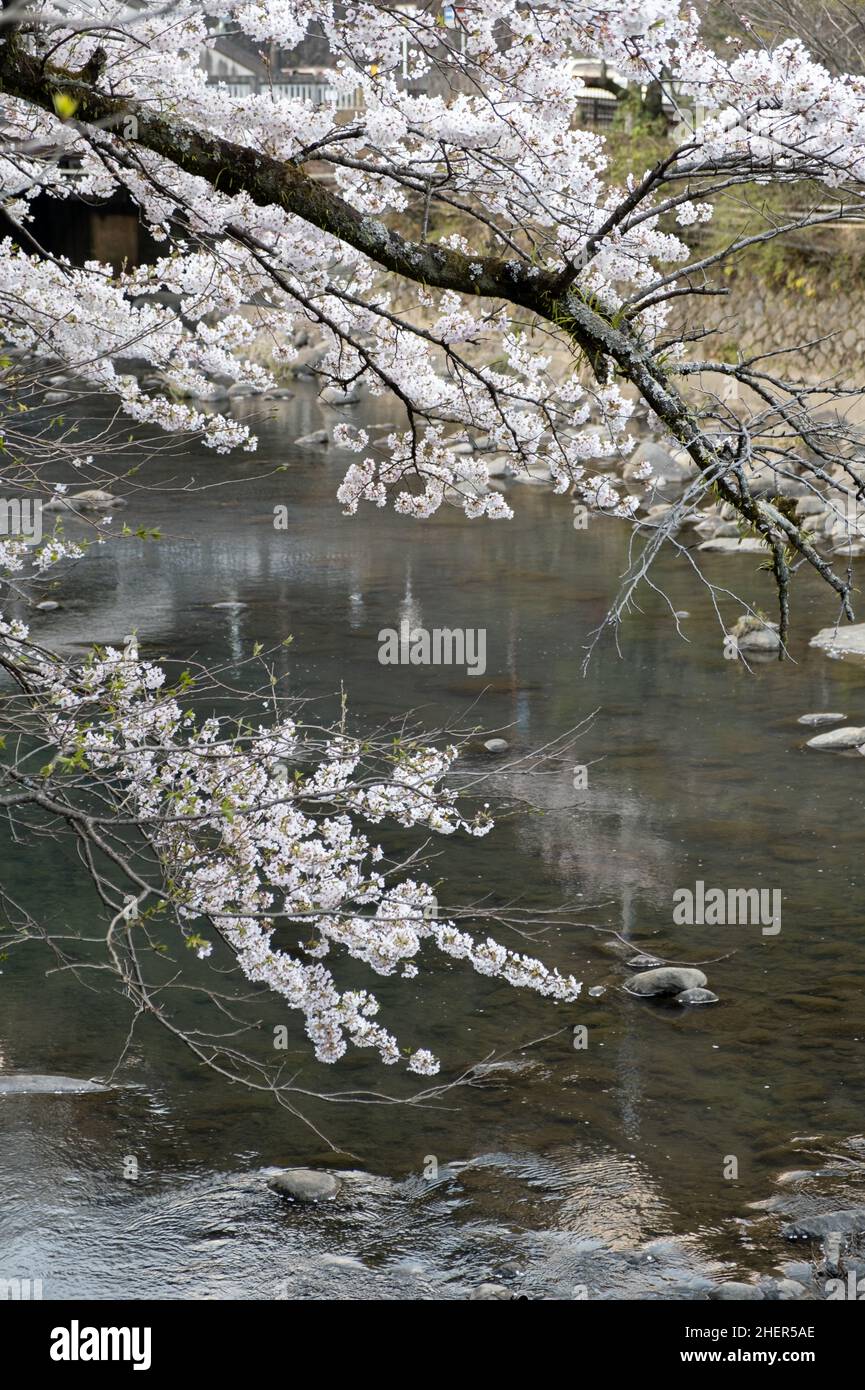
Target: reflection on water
x=602, y=1167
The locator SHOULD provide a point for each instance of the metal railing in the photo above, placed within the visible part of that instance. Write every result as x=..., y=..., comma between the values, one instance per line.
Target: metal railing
x=597, y=108
x=296, y=89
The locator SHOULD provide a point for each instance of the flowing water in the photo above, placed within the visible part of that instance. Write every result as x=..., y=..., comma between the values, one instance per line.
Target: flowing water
x=604, y=1169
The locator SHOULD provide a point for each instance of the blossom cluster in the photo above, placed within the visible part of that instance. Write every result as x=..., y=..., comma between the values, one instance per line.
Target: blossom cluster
x=501, y=142
x=260, y=833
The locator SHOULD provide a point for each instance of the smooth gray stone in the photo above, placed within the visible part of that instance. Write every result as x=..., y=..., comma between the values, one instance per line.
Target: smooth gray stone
x=848, y=737
x=29, y=1084
x=735, y=1292
x=731, y=546
x=813, y=721
x=828, y=1223
x=841, y=639
x=305, y=1185
x=694, y=997
x=671, y=979
x=496, y=745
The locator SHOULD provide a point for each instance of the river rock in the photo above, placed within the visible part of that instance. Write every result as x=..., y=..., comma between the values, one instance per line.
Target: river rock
x=212, y=393
x=486, y=1293
x=339, y=395
x=667, y=467
x=318, y=437
x=815, y=720
x=671, y=979
x=848, y=737
x=842, y=1223
x=755, y=635
x=838, y=641
x=48, y=605
x=30, y=1084
x=693, y=997
x=498, y=466
x=305, y=1185
x=496, y=745
x=785, y=1291
x=307, y=359
x=735, y=1292
x=809, y=505
x=92, y=499
x=646, y=963
x=729, y=545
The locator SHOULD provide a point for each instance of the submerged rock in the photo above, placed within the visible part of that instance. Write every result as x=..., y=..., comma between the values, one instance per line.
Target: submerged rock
x=672, y=979
x=30, y=1084
x=646, y=963
x=317, y=437
x=815, y=720
x=489, y=1292
x=305, y=1185
x=848, y=737
x=693, y=997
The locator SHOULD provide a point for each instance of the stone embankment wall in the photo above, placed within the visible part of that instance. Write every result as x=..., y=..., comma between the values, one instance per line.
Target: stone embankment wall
x=755, y=319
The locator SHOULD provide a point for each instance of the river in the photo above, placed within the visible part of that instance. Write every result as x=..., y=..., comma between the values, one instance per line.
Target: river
x=602, y=1172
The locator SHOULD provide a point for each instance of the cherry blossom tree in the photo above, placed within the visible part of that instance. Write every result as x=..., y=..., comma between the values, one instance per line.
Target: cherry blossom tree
x=585, y=293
